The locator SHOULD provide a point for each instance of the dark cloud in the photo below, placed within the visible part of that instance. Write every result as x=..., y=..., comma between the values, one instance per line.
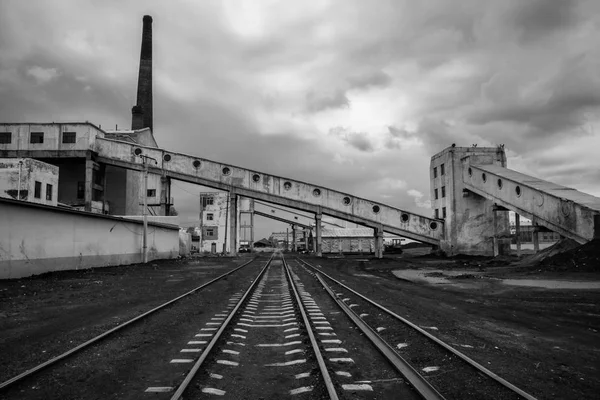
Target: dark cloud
x=317, y=102
x=538, y=18
x=357, y=140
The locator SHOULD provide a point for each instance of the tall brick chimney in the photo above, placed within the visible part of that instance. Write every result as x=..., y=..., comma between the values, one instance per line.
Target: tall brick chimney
x=142, y=118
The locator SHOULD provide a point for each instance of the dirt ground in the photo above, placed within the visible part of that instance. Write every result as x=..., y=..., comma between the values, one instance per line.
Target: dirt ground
x=546, y=341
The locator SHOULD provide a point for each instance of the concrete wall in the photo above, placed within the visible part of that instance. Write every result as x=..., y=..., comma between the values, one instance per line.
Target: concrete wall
x=86, y=135
x=469, y=222
x=348, y=245
x=31, y=171
x=35, y=239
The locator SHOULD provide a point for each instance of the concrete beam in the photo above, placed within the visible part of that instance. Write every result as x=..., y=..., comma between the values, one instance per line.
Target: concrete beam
x=571, y=213
x=281, y=219
x=273, y=189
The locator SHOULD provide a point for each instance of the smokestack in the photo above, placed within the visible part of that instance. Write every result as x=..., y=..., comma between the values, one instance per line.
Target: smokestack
x=142, y=118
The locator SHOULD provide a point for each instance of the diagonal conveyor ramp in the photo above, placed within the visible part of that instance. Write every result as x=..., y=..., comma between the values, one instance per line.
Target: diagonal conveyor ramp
x=273, y=189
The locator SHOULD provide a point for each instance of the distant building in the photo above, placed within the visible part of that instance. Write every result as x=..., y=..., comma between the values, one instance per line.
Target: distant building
x=29, y=180
x=214, y=222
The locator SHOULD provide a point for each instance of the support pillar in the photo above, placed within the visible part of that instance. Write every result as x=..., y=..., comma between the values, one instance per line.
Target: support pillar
x=251, y=244
x=89, y=171
x=518, y=233
x=305, y=236
x=536, y=238
x=165, y=195
x=378, y=242
x=318, y=249
x=495, y=239
x=294, y=249
x=233, y=246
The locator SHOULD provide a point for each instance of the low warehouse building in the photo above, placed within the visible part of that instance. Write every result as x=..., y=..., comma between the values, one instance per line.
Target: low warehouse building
x=347, y=240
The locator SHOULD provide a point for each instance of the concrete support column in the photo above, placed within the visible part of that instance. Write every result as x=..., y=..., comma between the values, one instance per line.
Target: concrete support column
x=305, y=236
x=536, y=238
x=294, y=249
x=89, y=171
x=518, y=233
x=318, y=249
x=233, y=246
x=165, y=195
x=495, y=239
x=378, y=242
x=251, y=225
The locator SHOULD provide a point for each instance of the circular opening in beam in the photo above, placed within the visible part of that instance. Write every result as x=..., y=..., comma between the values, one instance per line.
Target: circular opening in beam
x=518, y=191
x=256, y=177
x=167, y=157
x=376, y=209
x=196, y=164
x=317, y=192
x=433, y=225
x=287, y=185
x=137, y=151
x=226, y=171
x=404, y=217
x=484, y=177
x=347, y=201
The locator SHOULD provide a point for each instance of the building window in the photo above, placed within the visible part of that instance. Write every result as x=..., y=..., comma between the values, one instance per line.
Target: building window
x=442, y=171
x=49, y=192
x=444, y=212
x=207, y=201
x=80, y=190
x=210, y=232
x=38, y=190
x=435, y=172
x=437, y=213
x=436, y=193
x=5, y=137
x=36, y=137
x=443, y=191
x=210, y=216
x=151, y=193
x=68, y=137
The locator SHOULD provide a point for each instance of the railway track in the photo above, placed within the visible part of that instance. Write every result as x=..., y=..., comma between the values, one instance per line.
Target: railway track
x=424, y=358
x=21, y=382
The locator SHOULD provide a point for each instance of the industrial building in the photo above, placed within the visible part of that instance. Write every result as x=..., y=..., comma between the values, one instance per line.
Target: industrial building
x=29, y=180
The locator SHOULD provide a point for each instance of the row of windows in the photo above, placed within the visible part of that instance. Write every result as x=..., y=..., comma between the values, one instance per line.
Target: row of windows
x=38, y=137
x=435, y=191
x=437, y=212
x=442, y=171
x=37, y=193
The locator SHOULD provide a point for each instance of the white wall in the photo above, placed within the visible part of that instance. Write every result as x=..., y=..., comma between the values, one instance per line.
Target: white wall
x=35, y=239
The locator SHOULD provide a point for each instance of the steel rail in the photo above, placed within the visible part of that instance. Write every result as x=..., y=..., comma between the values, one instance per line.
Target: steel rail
x=420, y=384
x=313, y=341
x=451, y=349
x=96, y=339
x=192, y=373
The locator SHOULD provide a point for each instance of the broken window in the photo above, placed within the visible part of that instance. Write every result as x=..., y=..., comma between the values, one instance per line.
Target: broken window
x=436, y=193
x=207, y=201
x=48, y=192
x=210, y=216
x=435, y=172
x=151, y=193
x=68, y=137
x=38, y=190
x=5, y=137
x=442, y=171
x=443, y=212
x=443, y=191
x=437, y=213
x=210, y=232
x=36, y=137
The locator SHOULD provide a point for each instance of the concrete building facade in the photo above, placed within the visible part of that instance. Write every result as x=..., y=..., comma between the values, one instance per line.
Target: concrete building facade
x=29, y=180
x=473, y=225
x=215, y=226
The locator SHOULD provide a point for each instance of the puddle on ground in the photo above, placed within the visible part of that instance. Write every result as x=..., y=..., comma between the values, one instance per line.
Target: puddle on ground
x=440, y=277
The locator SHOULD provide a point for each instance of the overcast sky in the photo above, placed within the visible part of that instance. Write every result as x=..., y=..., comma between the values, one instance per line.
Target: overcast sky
x=352, y=95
